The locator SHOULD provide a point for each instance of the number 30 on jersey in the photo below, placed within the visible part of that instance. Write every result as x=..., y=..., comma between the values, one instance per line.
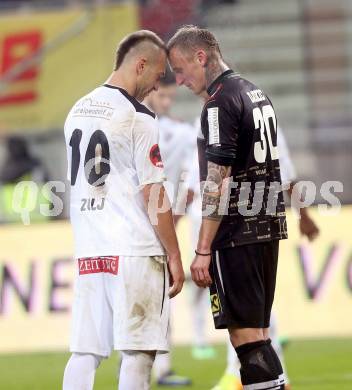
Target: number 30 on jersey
x=265, y=122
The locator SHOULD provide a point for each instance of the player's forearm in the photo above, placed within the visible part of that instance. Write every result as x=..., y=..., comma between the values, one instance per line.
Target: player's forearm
x=165, y=230
x=207, y=234
x=162, y=220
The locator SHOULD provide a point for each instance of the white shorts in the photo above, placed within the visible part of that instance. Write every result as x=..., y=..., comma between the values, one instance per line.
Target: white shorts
x=120, y=303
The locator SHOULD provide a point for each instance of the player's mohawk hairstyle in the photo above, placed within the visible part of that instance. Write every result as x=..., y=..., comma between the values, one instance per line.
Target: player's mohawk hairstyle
x=190, y=37
x=134, y=39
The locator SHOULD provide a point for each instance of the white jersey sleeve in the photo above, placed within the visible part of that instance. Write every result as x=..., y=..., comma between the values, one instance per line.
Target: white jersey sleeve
x=146, y=153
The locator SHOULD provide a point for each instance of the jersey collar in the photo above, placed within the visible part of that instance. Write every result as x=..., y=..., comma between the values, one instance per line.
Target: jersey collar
x=213, y=86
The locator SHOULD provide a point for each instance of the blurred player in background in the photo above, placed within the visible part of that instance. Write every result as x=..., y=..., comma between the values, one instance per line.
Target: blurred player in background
x=238, y=244
x=124, y=245
x=21, y=165
x=231, y=378
x=177, y=141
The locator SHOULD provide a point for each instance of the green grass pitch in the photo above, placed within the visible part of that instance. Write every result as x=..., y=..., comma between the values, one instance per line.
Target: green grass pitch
x=312, y=365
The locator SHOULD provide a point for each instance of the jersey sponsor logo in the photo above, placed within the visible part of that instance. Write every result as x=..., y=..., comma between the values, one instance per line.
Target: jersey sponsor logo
x=213, y=120
x=260, y=171
x=93, y=109
x=155, y=156
x=96, y=265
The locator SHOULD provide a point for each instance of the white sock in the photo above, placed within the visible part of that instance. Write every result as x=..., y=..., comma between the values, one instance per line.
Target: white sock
x=80, y=371
x=233, y=364
x=135, y=370
x=162, y=364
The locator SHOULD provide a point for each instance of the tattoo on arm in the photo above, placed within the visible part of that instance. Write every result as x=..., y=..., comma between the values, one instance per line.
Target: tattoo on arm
x=216, y=174
x=212, y=191
x=210, y=207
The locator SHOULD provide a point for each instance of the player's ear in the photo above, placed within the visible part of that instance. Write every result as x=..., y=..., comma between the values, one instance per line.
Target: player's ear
x=140, y=66
x=201, y=57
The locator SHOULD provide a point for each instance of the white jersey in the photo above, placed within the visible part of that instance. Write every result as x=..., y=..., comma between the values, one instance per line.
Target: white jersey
x=112, y=150
x=178, y=148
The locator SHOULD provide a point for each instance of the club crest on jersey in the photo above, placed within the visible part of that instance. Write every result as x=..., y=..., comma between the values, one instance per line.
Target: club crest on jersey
x=155, y=156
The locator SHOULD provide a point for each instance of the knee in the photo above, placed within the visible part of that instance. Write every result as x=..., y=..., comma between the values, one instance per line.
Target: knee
x=266, y=333
x=239, y=336
x=87, y=359
x=136, y=369
x=137, y=359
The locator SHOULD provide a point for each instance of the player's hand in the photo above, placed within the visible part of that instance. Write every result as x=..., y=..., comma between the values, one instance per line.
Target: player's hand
x=200, y=271
x=177, y=275
x=308, y=228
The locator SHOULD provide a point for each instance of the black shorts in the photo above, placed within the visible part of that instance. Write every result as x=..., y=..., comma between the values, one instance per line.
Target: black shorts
x=243, y=287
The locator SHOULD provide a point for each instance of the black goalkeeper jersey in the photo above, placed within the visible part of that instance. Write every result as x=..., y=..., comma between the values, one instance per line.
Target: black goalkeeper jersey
x=239, y=124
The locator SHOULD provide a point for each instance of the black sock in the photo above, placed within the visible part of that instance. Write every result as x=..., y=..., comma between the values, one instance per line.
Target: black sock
x=275, y=357
x=259, y=364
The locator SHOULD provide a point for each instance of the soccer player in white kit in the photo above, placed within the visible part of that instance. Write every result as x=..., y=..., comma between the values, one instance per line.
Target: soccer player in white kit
x=125, y=242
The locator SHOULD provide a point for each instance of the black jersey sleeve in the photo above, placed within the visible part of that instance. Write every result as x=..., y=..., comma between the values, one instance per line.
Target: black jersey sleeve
x=220, y=126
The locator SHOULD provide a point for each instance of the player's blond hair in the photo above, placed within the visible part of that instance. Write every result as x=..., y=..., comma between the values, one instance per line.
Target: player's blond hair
x=191, y=38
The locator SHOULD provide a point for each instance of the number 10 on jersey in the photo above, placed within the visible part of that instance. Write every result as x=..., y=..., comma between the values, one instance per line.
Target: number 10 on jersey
x=97, y=158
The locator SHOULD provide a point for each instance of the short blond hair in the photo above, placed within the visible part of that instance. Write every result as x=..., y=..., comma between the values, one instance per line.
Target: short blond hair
x=191, y=38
